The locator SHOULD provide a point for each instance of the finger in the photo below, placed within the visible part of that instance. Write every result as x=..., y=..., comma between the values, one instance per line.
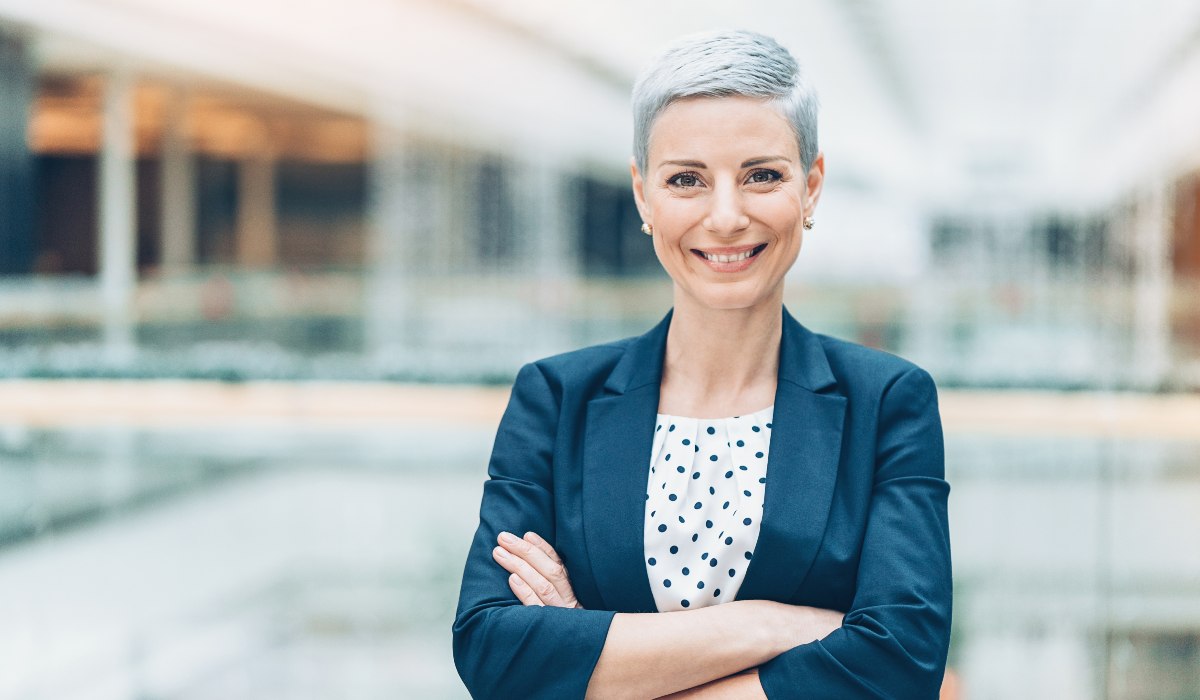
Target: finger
x=537, y=541
x=523, y=592
x=542, y=588
x=548, y=564
x=551, y=570
x=566, y=590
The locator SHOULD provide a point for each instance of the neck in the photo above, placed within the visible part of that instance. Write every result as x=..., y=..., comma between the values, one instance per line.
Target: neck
x=721, y=361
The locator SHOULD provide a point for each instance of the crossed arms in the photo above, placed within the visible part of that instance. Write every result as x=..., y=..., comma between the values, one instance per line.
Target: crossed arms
x=692, y=654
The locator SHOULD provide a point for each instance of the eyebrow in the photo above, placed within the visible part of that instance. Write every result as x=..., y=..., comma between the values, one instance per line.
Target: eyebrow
x=745, y=164
x=764, y=159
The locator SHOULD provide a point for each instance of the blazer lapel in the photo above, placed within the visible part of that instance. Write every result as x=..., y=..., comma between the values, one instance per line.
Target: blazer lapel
x=616, y=462
x=806, y=439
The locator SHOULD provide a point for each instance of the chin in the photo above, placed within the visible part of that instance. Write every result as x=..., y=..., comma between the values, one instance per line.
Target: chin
x=730, y=298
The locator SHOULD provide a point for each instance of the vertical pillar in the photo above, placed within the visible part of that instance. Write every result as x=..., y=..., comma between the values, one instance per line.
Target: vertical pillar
x=929, y=317
x=178, y=193
x=17, y=244
x=393, y=249
x=116, y=191
x=552, y=235
x=1152, y=287
x=1040, y=284
x=548, y=244
x=458, y=217
x=257, y=244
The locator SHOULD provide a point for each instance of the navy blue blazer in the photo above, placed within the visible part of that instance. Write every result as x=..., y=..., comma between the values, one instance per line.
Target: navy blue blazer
x=854, y=519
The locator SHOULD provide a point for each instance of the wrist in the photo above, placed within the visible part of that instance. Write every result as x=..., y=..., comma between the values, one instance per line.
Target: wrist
x=777, y=624
x=788, y=626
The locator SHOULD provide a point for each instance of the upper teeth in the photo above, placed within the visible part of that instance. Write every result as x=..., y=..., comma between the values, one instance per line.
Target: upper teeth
x=727, y=258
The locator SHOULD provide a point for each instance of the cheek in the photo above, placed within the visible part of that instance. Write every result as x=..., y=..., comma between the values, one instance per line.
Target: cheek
x=664, y=247
x=677, y=212
x=785, y=216
x=670, y=251
x=674, y=219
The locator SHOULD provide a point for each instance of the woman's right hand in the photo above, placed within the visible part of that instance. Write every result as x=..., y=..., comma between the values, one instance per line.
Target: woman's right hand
x=538, y=576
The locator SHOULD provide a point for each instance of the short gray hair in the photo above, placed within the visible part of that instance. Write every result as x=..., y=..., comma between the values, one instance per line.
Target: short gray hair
x=725, y=64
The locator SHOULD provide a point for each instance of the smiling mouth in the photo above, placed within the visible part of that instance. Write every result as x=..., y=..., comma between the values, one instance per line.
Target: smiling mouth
x=730, y=258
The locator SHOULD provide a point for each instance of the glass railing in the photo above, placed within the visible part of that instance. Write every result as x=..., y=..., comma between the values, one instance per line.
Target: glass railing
x=1062, y=333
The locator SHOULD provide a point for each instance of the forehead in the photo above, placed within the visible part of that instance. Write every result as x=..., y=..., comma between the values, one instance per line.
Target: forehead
x=717, y=128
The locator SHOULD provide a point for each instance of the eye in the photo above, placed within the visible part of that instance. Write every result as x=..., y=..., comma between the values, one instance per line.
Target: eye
x=684, y=180
x=763, y=176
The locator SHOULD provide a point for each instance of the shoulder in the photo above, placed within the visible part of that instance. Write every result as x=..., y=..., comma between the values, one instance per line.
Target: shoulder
x=859, y=369
x=590, y=358
x=579, y=369
x=895, y=396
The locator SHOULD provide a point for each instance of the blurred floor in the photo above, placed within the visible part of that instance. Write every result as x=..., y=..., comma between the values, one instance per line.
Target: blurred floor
x=209, y=540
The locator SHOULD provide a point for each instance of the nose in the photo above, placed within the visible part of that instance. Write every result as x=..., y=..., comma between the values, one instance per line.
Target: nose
x=727, y=210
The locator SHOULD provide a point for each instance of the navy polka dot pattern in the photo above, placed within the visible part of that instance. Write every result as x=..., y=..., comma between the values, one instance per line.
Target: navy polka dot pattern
x=718, y=484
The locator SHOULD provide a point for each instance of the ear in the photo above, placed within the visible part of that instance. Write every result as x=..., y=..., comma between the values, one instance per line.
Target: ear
x=639, y=196
x=815, y=183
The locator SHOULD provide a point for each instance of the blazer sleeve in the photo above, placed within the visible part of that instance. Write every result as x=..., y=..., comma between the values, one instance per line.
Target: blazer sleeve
x=503, y=649
x=893, y=641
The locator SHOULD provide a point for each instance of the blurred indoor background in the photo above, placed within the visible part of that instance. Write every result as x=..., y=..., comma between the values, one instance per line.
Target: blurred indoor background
x=267, y=269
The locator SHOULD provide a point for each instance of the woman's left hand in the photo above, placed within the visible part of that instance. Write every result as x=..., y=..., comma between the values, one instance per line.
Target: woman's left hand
x=538, y=575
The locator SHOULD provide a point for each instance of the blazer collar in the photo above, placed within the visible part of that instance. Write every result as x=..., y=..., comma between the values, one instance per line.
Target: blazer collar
x=642, y=362
x=805, y=453
x=802, y=360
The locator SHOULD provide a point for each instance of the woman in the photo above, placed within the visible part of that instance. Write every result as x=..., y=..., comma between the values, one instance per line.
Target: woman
x=728, y=505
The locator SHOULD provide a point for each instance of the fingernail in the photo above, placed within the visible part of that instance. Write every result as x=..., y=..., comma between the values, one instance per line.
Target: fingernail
x=506, y=538
x=499, y=551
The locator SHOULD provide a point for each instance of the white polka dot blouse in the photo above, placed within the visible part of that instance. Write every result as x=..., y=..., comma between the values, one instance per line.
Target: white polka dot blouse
x=704, y=500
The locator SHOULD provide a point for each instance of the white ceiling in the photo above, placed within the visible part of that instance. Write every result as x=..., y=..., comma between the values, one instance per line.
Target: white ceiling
x=1034, y=102
x=993, y=103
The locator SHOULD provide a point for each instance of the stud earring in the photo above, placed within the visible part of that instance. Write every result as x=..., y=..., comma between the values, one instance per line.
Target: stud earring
x=647, y=229
x=809, y=222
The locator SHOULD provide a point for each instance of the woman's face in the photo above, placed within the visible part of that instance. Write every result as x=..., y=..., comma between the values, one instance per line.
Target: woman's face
x=727, y=196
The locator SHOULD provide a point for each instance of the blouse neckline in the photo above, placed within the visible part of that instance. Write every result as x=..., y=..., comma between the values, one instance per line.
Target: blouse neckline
x=760, y=411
